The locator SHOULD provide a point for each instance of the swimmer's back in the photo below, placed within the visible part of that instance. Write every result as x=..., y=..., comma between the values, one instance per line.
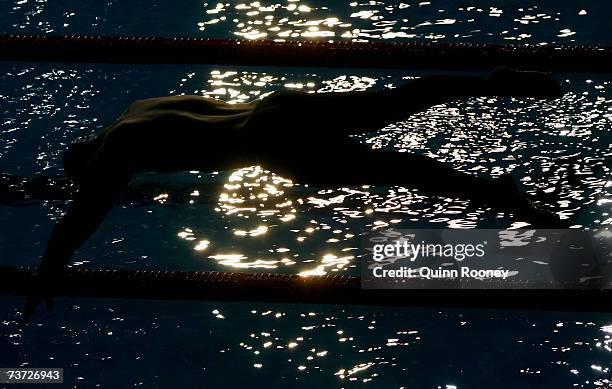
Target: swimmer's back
x=187, y=103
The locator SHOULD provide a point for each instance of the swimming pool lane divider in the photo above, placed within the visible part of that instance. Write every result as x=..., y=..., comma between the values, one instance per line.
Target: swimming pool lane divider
x=339, y=54
x=290, y=288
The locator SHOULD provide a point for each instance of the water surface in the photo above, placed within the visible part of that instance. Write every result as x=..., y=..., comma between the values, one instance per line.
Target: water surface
x=254, y=220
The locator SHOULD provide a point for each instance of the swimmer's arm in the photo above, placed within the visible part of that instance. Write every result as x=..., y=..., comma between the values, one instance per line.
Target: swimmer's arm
x=74, y=228
x=92, y=203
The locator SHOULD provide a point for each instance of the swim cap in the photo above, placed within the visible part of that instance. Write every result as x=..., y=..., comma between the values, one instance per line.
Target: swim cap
x=78, y=154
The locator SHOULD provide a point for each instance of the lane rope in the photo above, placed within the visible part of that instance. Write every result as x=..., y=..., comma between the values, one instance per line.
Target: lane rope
x=290, y=288
x=340, y=54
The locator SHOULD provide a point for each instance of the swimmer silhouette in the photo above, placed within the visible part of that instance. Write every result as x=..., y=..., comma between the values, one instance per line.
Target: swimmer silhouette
x=298, y=135
x=17, y=191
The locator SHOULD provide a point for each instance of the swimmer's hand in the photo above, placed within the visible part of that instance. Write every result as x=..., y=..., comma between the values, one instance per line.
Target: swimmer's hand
x=40, y=289
x=511, y=82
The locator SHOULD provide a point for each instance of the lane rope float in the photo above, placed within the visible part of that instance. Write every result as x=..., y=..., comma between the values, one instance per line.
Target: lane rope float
x=290, y=288
x=340, y=54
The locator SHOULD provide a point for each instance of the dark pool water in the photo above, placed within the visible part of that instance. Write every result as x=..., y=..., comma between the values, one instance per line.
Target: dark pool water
x=257, y=221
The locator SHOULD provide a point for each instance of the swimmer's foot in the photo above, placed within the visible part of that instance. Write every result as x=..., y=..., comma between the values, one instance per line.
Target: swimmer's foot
x=510, y=82
x=511, y=199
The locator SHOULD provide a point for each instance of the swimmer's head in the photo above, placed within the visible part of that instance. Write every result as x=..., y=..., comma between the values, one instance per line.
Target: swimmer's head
x=78, y=154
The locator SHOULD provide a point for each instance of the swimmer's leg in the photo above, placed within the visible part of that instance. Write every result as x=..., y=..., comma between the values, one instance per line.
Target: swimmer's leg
x=360, y=165
x=355, y=112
